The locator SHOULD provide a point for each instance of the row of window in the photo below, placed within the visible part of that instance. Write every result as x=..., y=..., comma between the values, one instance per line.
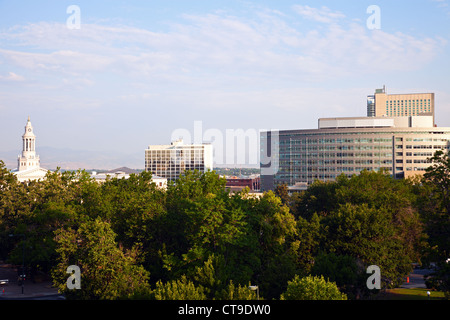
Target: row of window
x=326, y=173
x=414, y=101
x=313, y=144
x=332, y=141
x=29, y=164
x=300, y=136
x=311, y=176
x=328, y=148
x=337, y=155
x=184, y=166
x=294, y=153
x=287, y=165
x=412, y=161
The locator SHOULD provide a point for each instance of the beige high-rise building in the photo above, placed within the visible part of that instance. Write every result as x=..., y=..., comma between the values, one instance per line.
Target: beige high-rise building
x=169, y=161
x=381, y=104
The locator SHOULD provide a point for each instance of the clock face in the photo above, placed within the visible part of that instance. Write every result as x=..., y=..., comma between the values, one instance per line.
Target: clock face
x=29, y=129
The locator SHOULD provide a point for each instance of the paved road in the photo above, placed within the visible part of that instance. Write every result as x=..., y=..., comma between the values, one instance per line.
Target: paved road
x=32, y=291
x=416, y=279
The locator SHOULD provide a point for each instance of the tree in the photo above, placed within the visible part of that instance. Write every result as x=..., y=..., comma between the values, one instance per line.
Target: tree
x=310, y=235
x=438, y=174
x=6, y=177
x=319, y=198
x=282, y=192
x=237, y=292
x=312, y=288
x=341, y=269
x=436, y=213
x=181, y=289
x=368, y=234
x=8, y=182
x=370, y=217
x=204, y=232
x=274, y=230
x=436, y=208
x=133, y=207
x=106, y=271
x=36, y=209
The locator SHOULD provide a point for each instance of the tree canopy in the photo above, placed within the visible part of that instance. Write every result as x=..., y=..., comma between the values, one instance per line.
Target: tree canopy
x=196, y=240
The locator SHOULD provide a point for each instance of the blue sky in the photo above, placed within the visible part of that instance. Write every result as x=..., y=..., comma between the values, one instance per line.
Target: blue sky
x=137, y=71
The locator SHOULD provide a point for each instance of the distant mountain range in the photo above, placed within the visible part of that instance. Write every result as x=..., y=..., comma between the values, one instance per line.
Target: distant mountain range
x=71, y=159
x=125, y=170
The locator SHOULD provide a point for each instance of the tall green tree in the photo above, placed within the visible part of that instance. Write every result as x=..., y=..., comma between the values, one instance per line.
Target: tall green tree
x=371, y=217
x=8, y=183
x=237, y=292
x=438, y=175
x=282, y=192
x=312, y=288
x=307, y=244
x=368, y=234
x=107, y=272
x=344, y=270
x=181, y=289
x=203, y=233
x=275, y=230
x=435, y=205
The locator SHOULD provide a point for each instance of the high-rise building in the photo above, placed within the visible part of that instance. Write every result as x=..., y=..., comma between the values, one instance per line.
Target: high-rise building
x=169, y=161
x=28, y=163
x=400, y=105
x=400, y=145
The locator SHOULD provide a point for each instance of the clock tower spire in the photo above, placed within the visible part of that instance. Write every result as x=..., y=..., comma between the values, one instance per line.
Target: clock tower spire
x=28, y=159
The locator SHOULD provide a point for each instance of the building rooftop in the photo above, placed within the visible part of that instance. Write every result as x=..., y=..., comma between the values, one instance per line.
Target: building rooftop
x=425, y=121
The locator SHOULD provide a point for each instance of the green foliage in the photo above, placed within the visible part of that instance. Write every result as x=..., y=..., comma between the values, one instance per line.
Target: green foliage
x=341, y=269
x=196, y=240
x=370, y=217
x=312, y=288
x=107, y=272
x=233, y=292
x=438, y=175
x=310, y=234
x=282, y=192
x=182, y=289
x=434, y=200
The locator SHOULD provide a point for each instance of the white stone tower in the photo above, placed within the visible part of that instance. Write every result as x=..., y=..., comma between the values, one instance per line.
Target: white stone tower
x=28, y=159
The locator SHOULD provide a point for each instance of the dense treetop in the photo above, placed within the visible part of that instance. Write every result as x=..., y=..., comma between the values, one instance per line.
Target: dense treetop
x=196, y=240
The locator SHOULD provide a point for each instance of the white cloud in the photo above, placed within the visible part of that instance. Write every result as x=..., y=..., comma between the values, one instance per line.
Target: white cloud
x=11, y=77
x=323, y=14
x=216, y=50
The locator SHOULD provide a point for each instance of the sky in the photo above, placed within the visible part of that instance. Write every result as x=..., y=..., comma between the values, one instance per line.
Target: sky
x=104, y=81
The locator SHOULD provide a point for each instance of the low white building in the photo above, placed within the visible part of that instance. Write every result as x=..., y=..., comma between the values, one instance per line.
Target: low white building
x=102, y=177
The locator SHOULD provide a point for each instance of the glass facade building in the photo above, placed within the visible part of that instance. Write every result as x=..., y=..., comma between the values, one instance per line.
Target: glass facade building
x=400, y=145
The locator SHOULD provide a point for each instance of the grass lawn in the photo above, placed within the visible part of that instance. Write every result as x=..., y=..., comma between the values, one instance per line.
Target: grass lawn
x=412, y=294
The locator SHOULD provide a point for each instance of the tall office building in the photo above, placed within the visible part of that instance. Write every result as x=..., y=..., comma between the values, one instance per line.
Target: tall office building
x=400, y=105
x=169, y=161
x=398, y=144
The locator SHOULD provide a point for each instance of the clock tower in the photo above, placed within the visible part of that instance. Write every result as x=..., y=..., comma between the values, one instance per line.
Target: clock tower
x=28, y=159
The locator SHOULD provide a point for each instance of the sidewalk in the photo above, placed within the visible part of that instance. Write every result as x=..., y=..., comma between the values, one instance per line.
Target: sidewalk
x=31, y=291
